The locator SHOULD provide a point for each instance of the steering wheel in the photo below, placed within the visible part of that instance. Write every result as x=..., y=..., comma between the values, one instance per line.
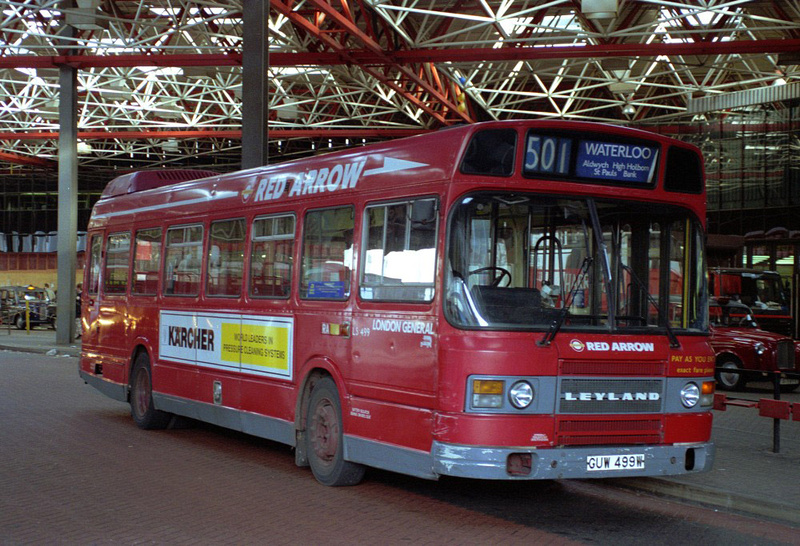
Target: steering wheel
x=502, y=273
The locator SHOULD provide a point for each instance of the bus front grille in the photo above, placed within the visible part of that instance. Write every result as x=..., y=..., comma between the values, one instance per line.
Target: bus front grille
x=654, y=368
x=577, y=432
x=596, y=396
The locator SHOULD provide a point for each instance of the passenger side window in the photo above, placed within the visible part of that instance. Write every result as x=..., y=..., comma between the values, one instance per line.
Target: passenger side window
x=95, y=254
x=271, y=256
x=226, y=258
x=182, y=261
x=118, y=253
x=399, y=259
x=327, y=254
x=146, y=261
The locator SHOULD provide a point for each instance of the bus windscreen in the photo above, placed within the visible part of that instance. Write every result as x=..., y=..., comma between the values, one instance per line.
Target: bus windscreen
x=631, y=162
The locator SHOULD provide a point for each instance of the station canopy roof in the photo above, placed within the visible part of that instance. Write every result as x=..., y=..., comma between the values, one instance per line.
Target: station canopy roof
x=160, y=81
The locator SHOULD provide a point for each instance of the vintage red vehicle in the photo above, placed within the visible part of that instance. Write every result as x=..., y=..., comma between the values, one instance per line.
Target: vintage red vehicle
x=506, y=300
x=741, y=345
x=762, y=291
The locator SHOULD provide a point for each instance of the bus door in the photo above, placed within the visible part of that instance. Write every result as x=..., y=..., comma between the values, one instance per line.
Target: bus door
x=90, y=293
x=107, y=328
x=394, y=334
x=325, y=314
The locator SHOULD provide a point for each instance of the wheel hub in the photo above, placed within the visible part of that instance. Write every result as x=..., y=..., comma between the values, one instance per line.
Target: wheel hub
x=325, y=432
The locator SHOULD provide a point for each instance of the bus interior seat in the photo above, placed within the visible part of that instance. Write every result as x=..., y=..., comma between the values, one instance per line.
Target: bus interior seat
x=503, y=304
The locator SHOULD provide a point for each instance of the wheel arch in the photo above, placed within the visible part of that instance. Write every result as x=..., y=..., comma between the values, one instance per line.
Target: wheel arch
x=727, y=356
x=312, y=371
x=138, y=348
x=719, y=373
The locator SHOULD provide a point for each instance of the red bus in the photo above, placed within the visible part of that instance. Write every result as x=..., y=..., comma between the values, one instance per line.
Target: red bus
x=505, y=300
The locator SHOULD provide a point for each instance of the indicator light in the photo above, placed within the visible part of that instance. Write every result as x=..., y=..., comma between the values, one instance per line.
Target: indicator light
x=487, y=393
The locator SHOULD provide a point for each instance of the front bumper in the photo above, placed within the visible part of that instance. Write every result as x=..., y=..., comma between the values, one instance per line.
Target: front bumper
x=491, y=463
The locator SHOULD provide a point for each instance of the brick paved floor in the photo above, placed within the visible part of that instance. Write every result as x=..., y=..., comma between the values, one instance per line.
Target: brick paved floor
x=74, y=469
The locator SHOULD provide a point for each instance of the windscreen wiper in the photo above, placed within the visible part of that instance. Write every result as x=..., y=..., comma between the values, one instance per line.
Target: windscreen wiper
x=605, y=262
x=673, y=339
x=555, y=326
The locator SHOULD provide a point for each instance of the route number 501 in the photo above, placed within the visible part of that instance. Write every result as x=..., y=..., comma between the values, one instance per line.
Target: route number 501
x=546, y=154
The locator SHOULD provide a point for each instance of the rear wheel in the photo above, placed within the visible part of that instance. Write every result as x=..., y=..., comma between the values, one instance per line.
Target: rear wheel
x=730, y=381
x=324, y=438
x=20, y=322
x=143, y=412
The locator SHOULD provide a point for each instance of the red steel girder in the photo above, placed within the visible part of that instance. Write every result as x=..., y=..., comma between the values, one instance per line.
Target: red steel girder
x=18, y=159
x=372, y=46
x=119, y=61
x=233, y=134
x=348, y=25
x=742, y=47
x=366, y=57
x=325, y=38
x=278, y=133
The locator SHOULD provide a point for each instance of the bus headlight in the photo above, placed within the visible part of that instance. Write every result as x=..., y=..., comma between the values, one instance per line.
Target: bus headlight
x=521, y=394
x=690, y=395
x=487, y=393
x=760, y=348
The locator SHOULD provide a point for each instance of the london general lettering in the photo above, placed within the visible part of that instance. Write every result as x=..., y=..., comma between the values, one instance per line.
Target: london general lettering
x=403, y=326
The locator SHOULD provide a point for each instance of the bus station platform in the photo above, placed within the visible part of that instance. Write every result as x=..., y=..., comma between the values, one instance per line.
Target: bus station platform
x=747, y=476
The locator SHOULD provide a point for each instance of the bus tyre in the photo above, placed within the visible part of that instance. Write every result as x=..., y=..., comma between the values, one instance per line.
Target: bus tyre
x=20, y=322
x=324, y=438
x=730, y=381
x=142, y=410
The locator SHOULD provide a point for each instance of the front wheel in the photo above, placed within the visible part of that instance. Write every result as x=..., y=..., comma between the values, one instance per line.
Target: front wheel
x=730, y=381
x=143, y=411
x=324, y=438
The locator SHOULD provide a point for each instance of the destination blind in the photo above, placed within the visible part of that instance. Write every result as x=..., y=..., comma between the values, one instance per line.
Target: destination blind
x=617, y=162
x=628, y=162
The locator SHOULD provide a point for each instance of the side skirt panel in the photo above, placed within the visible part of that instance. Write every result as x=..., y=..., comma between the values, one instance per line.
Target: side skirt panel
x=117, y=391
x=357, y=450
x=262, y=426
x=389, y=457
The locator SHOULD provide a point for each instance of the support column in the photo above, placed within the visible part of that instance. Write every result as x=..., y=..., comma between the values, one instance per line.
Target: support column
x=255, y=89
x=67, y=203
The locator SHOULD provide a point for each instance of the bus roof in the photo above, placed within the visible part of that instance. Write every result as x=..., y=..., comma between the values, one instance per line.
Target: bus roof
x=148, y=180
x=417, y=161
